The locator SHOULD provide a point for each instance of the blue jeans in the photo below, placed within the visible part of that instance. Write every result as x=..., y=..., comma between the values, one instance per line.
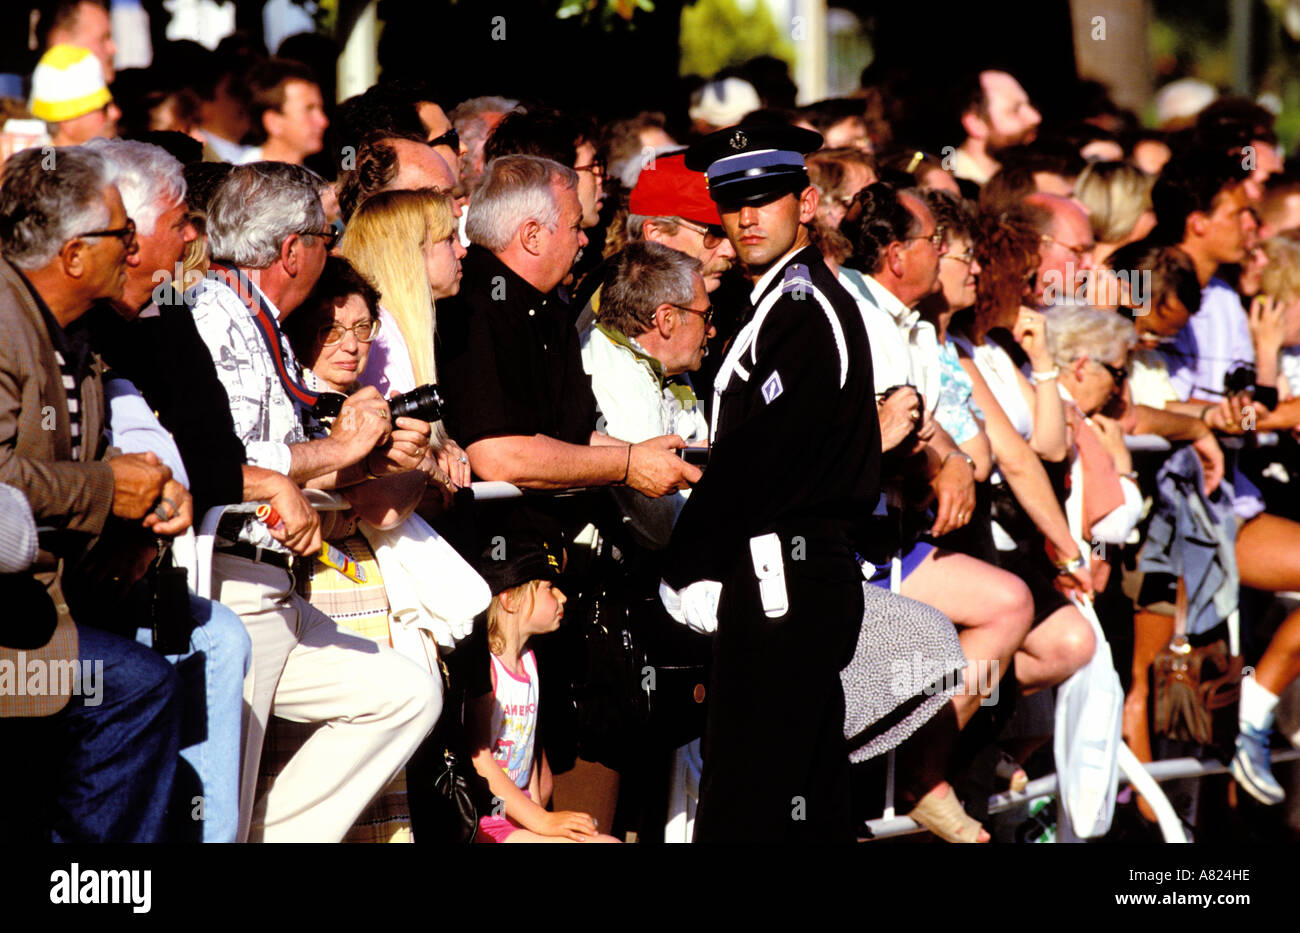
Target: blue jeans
x=117, y=746
x=205, y=800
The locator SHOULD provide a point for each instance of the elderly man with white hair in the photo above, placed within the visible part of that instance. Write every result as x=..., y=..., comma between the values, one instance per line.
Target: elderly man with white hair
x=269, y=239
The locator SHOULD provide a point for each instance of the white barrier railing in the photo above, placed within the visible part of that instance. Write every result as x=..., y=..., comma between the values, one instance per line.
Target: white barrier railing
x=1170, y=769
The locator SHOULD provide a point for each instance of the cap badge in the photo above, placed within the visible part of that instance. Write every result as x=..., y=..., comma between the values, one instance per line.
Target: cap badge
x=738, y=141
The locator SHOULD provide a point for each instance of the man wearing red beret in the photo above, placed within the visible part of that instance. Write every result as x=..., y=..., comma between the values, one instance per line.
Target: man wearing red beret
x=671, y=205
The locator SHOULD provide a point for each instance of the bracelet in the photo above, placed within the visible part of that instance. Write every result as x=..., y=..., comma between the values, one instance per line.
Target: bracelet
x=958, y=453
x=627, y=469
x=1045, y=376
x=365, y=465
x=1076, y=563
x=1206, y=410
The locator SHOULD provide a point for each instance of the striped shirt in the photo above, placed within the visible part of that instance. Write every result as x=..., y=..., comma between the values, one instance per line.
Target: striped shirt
x=73, y=354
x=72, y=389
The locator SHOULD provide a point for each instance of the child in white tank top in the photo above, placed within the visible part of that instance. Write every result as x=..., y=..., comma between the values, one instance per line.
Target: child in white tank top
x=502, y=724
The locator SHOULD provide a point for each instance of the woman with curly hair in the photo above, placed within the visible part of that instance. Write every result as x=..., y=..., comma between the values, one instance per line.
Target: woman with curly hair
x=1025, y=424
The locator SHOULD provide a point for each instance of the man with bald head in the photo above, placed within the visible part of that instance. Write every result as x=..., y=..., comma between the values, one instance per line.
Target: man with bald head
x=393, y=163
x=995, y=114
x=1065, y=248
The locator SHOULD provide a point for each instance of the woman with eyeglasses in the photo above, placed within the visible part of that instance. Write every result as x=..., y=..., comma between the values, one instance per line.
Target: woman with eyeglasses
x=406, y=243
x=1092, y=350
x=1018, y=495
x=332, y=334
x=1026, y=427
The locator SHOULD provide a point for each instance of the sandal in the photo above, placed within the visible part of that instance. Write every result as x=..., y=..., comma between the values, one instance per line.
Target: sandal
x=1009, y=770
x=944, y=816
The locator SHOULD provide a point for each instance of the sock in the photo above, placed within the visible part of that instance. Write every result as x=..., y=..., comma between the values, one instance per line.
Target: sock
x=1257, y=705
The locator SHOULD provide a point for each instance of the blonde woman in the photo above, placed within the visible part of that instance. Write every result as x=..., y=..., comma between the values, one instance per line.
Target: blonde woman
x=405, y=243
x=1118, y=198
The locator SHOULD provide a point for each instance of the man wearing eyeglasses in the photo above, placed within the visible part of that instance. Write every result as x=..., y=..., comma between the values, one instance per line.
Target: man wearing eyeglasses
x=267, y=232
x=654, y=325
x=670, y=205
x=898, y=245
x=103, y=768
x=1065, y=250
x=562, y=138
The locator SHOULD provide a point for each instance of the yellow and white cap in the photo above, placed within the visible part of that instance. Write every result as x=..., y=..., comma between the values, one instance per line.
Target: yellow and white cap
x=68, y=83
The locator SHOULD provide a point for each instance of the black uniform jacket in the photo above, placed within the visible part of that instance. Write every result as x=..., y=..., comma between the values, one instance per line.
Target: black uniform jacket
x=798, y=441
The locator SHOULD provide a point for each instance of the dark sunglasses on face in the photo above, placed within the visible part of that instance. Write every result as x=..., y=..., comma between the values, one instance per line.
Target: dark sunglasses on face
x=1118, y=373
x=451, y=139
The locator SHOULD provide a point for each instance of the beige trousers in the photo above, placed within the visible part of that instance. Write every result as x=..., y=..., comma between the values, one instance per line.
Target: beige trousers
x=377, y=706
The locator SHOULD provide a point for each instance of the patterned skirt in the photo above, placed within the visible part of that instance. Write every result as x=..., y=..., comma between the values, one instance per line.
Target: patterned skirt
x=908, y=663
x=362, y=608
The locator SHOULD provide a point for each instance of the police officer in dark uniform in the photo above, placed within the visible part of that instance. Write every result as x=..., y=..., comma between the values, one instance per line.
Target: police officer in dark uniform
x=765, y=549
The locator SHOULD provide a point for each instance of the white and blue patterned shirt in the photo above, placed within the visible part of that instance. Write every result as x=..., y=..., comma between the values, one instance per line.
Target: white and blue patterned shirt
x=266, y=419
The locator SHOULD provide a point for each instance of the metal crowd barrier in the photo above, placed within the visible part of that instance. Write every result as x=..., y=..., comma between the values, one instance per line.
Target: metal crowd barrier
x=887, y=827
x=1170, y=769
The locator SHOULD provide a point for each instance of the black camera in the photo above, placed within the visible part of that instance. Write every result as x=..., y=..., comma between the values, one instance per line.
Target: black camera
x=697, y=456
x=910, y=441
x=423, y=403
x=328, y=405
x=1242, y=380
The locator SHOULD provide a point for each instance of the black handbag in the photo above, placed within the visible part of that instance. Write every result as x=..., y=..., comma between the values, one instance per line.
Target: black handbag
x=460, y=795
x=610, y=701
x=645, y=677
x=460, y=814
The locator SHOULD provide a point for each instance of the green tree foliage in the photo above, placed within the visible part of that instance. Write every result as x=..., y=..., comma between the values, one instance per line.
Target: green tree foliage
x=718, y=33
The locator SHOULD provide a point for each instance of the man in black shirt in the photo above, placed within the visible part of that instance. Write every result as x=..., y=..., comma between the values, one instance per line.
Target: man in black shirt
x=508, y=358
x=764, y=550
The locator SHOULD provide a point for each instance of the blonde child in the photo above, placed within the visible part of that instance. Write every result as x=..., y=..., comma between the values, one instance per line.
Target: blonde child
x=502, y=725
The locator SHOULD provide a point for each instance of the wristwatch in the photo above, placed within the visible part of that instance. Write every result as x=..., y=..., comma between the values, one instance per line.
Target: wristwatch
x=958, y=453
x=1075, y=563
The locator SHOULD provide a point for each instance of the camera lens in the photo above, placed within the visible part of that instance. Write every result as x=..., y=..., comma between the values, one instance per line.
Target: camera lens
x=423, y=403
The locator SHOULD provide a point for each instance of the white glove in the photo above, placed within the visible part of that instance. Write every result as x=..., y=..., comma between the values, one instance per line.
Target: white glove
x=696, y=606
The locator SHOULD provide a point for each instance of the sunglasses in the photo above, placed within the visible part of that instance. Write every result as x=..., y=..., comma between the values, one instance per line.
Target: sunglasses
x=1118, y=373
x=364, y=331
x=451, y=139
x=712, y=235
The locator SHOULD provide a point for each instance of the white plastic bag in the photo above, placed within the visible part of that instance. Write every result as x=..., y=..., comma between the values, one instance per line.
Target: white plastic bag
x=1089, y=707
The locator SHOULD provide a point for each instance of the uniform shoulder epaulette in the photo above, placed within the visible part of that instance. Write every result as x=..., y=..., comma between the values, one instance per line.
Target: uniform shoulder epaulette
x=797, y=279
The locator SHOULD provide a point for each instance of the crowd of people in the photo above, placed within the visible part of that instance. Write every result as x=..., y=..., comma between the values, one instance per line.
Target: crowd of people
x=829, y=447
